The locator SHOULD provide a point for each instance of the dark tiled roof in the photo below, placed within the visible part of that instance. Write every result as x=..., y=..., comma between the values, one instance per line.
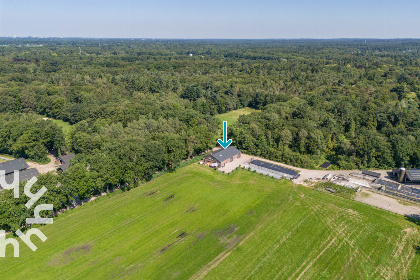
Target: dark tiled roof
x=24, y=175
x=276, y=168
x=66, y=158
x=325, y=165
x=226, y=154
x=65, y=161
x=12, y=165
x=370, y=173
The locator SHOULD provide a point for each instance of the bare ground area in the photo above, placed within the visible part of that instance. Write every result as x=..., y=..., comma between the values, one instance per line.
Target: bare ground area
x=44, y=168
x=386, y=203
x=306, y=175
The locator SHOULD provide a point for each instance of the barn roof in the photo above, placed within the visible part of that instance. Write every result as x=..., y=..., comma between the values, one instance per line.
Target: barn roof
x=226, y=154
x=277, y=168
x=371, y=173
x=12, y=165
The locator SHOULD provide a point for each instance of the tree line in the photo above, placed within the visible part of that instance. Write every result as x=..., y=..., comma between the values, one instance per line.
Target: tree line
x=137, y=107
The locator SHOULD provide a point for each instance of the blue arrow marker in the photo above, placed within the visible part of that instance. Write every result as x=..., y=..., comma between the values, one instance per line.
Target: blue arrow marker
x=225, y=143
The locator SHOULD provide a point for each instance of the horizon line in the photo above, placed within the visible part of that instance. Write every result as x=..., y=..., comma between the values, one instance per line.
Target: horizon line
x=163, y=38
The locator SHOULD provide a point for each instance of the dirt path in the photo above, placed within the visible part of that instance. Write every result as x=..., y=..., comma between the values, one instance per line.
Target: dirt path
x=387, y=203
x=44, y=168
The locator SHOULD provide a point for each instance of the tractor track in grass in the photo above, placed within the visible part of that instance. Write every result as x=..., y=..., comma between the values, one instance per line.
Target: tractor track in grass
x=217, y=260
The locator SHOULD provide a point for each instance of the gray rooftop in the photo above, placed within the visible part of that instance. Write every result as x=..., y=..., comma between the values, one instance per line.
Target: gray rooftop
x=12, y=165
x=226, y=154
x=24, y=175
x=371, y=173
x=65, y=161
x=276, y=168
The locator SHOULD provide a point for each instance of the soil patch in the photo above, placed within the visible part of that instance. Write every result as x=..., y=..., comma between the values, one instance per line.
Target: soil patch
x=169, y=197
x=150, y=194
x=70, y=255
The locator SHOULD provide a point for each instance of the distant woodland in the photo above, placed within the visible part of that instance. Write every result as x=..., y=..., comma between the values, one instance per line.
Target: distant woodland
x=138, y=106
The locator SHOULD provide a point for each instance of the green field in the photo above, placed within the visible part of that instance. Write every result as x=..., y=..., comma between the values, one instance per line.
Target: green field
x=65, y=125
x=4, y=158
x=195, y=223
x=232, y=116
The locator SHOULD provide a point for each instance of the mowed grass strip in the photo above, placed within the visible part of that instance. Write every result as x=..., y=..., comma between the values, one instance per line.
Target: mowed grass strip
x=196, y=223
x=232, y=116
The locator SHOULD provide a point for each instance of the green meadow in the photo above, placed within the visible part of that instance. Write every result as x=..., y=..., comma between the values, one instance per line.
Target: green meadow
x=65, y=125
x=196, y=223
x=232, y=116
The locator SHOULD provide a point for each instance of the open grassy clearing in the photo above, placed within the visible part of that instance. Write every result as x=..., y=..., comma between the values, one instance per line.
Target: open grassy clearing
x=232, y=116
x=65, y=125
x=196, y=223
x=10, y=157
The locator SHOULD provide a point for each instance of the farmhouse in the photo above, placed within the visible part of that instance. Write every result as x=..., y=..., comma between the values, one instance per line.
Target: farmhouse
x=11, y=166
x=219, y=159
x=65, y=161
x=287, y=173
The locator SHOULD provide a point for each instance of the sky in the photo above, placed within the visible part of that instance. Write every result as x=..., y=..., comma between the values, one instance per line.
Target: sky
x=212, y=19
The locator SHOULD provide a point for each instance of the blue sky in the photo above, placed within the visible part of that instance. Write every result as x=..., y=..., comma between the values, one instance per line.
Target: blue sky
x=211, y=19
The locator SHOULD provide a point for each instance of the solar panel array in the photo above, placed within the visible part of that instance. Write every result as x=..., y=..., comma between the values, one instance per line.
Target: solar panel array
x=414, y=174
x=387, y=184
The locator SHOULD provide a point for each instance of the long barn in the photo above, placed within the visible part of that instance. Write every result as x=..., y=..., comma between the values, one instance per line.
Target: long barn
x=278, y=170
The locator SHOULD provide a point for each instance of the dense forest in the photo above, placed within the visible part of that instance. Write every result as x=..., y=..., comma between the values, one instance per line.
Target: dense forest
x=138, y=106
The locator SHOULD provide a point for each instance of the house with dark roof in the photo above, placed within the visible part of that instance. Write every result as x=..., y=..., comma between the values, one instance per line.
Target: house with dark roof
x=13, y=165
x=220, y=158
x=65, y=161
x=24, y=175
x=9, y=168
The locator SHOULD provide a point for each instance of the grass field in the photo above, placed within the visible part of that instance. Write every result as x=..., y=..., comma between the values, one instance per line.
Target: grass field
x=4, y=158
x=65, y=125
x=232, y=116
x=195, y=223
